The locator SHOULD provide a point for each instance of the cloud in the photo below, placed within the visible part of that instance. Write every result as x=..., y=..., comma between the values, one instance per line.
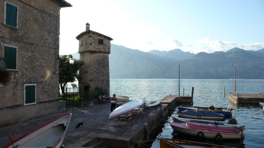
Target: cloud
x=208, y=45
x=178, y=44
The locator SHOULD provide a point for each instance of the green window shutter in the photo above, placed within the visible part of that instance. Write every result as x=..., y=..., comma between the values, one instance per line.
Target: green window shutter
x=30, y=93
x=10, y=55
x=11, y=15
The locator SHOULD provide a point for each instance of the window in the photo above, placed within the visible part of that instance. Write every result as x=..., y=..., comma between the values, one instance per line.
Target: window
x=100, y=41
x=11, y=15
x=81, y=42
x=30, y=94
x=10, y=57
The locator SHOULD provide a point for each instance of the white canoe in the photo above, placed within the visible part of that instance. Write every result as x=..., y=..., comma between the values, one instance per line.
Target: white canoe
x=127, y=107
x=49, y=135
x=208, y=132
x=152, y=103
x=209, y=123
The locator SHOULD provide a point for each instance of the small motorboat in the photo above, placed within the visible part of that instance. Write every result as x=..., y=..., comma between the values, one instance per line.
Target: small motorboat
x=261, y=104
x=49, y=135
x=225, y=111
x=201, y=114
x=178, y=143
x=150, y=104
x=205, y=131
x=231, y=124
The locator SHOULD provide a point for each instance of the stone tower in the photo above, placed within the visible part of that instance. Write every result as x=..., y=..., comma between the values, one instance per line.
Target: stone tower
x=94, y=50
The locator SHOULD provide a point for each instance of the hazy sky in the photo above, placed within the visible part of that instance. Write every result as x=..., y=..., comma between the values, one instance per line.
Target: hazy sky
x=189, y=25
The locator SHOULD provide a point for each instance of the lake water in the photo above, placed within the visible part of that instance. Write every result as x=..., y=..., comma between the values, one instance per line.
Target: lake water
x=206, y=93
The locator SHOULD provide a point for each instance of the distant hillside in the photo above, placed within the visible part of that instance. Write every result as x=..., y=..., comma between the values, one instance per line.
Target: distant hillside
x=172, y=55
x=220, y=65
x=132, y=63
x=259, y=53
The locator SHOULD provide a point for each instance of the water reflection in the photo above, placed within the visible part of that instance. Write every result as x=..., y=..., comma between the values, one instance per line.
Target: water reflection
x=206, y=93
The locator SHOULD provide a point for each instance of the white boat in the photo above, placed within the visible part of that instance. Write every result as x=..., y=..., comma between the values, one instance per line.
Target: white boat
x=207, y=132
x=261, y=104
x=127, y=107
x=152, y=103
x=224, y=124
x=49, y=135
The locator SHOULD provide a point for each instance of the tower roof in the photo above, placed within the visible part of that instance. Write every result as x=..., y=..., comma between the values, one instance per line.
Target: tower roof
x=90, y=31
x=63, y=3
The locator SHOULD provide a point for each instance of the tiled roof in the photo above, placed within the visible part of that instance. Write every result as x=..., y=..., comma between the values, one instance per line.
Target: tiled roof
x=63, y=3
x=90, y=31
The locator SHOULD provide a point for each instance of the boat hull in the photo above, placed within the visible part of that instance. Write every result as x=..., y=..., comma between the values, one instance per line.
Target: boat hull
x=178, y=143
x=49, y=135
x=208, y=132
x=152, y=103
x=127, y=107
x=197, y=114
x=209, y=123
x=224, y=111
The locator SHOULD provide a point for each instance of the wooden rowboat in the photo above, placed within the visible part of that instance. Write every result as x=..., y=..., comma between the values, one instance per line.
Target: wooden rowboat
x=223, y=124
x=50, y=135
x=178, y=143
x=225, y=111
x=207, y=132
x=201, y=114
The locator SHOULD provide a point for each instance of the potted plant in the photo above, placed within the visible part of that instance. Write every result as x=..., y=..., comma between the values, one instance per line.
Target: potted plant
x=5, y=77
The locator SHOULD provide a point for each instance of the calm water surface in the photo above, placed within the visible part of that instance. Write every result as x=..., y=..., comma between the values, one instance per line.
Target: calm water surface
x=206, y=93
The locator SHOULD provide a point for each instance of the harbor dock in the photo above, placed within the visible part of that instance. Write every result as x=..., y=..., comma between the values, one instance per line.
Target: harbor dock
x=246, y=98
x=98, y=130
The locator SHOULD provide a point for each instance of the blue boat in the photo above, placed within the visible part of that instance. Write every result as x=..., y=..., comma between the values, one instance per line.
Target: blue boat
x=225, y=111
x=201, y=114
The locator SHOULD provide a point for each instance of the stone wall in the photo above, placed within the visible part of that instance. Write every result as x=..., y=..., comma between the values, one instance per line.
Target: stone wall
x=96, y=57
x=90, y=43
x=37, y=42
x=96, y=71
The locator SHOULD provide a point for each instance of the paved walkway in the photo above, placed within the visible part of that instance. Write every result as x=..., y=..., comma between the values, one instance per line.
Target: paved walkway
x=96, y=124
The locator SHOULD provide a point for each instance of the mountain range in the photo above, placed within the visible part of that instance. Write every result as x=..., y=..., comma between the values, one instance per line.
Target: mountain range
x=126, y=63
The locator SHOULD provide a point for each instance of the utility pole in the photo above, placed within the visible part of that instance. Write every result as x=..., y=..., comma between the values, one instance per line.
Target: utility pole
x=179, y=80
x=235, y=80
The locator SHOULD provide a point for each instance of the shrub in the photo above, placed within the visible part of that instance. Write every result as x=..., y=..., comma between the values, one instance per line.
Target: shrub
x=5, y=76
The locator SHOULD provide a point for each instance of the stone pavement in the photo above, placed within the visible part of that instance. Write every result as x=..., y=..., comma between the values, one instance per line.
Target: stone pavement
x=96, y=125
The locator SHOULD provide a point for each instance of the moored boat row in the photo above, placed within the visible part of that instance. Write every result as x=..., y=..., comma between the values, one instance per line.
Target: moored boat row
x=203, y=123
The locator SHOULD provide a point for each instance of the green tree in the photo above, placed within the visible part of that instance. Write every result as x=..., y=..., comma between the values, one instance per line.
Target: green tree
x=69, y=71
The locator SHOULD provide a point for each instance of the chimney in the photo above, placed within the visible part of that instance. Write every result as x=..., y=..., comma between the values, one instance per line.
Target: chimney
x=87, y=26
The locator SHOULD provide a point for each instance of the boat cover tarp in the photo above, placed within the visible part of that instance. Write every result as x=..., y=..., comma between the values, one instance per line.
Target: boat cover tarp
x=201, y=113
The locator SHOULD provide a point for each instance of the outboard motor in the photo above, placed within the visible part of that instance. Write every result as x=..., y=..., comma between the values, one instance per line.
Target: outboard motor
x=230, y=108
x=232, y=121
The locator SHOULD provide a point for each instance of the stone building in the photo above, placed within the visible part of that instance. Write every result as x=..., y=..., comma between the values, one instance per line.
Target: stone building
x=94, y=49
x=29, y=42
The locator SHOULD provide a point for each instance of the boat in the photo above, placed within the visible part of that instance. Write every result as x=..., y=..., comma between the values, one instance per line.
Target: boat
x=50, y=134
x=152, y=103
x=205, y=131
x=231, y=124
x=179, y=143
x=201, y=114
x=129, y=106
x=225, y=111
x=261, y=104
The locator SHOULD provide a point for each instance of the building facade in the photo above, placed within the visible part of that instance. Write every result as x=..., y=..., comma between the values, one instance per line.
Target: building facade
x=94, y=50
x=29, y=42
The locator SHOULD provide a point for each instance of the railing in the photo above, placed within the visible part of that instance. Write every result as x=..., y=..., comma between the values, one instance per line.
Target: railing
x=2, y=63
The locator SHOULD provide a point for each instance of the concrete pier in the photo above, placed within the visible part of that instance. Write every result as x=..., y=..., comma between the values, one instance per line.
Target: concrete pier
x=98, y=130
x=246, y=98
